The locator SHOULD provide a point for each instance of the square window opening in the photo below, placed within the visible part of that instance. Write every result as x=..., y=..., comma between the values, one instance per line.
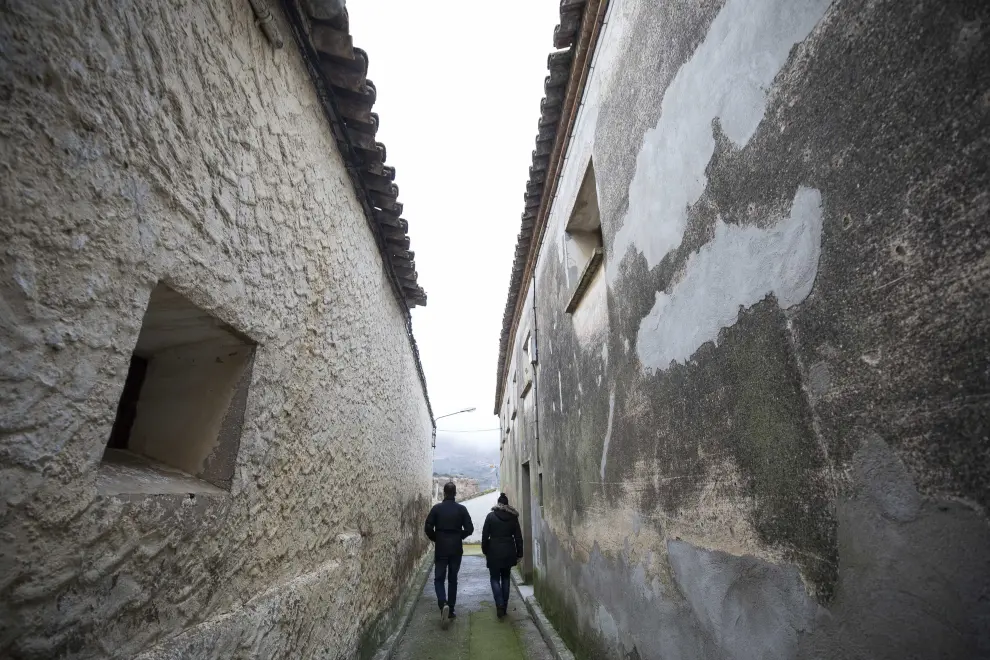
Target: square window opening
x=179, y=418
x=583, y=239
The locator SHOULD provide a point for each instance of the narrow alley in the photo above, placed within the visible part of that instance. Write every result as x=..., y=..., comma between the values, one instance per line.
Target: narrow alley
x=476, y=634
x=697, y=292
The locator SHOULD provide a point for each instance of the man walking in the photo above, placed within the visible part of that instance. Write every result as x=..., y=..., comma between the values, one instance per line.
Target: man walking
x=448, y=524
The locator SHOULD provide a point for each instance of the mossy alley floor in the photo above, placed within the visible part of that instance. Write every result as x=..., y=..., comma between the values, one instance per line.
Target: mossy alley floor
x=476, y=634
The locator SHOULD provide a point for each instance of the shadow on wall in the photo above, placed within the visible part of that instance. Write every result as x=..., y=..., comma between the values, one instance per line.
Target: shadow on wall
x=409, y=554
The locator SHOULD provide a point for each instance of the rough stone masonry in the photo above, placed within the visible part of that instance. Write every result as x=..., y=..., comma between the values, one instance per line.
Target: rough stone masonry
x=162, y=164
x=758, y=428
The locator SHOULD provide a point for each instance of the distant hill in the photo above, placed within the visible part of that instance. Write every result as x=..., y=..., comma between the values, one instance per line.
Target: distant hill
x=468, y=457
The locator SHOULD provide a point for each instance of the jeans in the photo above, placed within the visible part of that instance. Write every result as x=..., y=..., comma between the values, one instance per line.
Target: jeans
x=500, y=585
x=447, y=567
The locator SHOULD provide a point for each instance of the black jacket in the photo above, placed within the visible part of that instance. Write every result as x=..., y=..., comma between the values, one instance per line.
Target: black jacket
x=501, y=537
x=448, y=524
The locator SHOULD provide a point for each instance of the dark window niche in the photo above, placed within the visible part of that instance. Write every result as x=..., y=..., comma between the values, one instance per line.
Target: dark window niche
x=179, y=418
x=127, y=408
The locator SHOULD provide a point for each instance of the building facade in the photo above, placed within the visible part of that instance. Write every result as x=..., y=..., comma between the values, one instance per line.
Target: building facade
x=743, y=381
x=216, y=433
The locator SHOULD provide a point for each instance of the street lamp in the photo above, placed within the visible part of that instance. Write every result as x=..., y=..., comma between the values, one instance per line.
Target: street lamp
x=466, y=410
x=455, y=413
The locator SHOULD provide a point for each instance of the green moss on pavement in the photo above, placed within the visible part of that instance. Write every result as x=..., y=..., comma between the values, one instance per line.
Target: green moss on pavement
x=492, y=639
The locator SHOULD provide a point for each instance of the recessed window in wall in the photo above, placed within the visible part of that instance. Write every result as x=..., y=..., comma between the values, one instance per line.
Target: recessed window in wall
x=540, y=487
x=583, y=239
x=180, y=414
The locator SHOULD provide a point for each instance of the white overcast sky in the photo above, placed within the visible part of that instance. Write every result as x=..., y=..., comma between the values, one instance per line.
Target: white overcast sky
x=459, y=86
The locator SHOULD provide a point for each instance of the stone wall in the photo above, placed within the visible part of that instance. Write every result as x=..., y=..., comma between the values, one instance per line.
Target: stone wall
x=168, y=142
x=762, y=433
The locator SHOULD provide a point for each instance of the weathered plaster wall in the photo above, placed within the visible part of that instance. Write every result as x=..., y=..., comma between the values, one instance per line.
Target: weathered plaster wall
x=167, y=141
x=765, y=436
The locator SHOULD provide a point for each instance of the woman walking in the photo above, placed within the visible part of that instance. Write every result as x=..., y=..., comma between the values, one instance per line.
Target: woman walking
x=502, y=544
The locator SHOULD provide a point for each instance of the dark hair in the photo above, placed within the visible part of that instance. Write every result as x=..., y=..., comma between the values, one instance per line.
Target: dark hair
x=449, y=489
x=503, y=499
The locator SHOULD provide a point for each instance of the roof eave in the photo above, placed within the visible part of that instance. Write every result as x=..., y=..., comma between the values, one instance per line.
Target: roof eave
x=576, y=36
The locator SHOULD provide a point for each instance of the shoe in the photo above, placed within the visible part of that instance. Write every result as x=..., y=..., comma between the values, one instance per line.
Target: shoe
x=452, y=615
x=500, y=612
x=444, y=616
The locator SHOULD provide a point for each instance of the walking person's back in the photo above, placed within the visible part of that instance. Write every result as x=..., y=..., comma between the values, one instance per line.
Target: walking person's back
x=448, y=524
x=502, y=543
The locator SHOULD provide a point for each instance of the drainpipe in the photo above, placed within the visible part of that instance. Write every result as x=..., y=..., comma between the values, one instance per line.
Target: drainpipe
x=534, y=359
x=265, y=20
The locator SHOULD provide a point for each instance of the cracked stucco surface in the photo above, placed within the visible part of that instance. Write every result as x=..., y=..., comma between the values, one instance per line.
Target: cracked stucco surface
x=168, y=142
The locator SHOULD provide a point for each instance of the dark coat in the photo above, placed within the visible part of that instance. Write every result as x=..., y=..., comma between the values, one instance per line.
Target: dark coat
x=448, y=524
x=501, y=537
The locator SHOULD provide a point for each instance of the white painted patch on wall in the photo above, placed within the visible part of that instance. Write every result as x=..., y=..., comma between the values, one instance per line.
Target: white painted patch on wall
x=738, y=268
x=608, y=432
x=560, y=391
x=727, y=77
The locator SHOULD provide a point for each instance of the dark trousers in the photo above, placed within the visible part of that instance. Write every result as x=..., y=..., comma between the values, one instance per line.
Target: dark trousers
x=447, y=567
x=500, y=585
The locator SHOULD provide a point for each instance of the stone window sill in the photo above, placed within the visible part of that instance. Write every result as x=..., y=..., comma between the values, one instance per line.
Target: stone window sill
x=126, y=473
x=584, y=281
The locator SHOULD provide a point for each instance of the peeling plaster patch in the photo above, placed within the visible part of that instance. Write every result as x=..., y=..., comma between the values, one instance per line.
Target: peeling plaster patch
x=819, y=380
x=880, y=474
x=721, y=589
x=608, y=432
x=872, y=358
x=738, y=268
x=727, y=78
x=605, y=353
